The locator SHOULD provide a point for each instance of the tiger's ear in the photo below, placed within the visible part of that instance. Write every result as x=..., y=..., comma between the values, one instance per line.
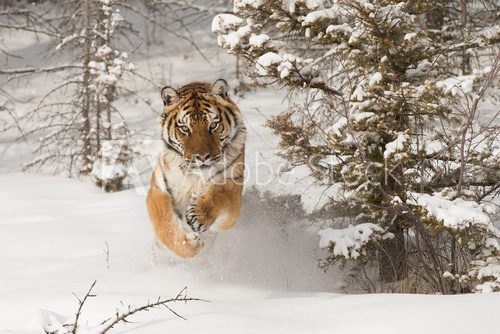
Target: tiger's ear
x=168, y=95
x=220, y=88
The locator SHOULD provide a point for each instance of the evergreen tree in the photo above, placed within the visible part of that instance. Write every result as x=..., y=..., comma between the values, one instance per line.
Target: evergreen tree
x=390, y=120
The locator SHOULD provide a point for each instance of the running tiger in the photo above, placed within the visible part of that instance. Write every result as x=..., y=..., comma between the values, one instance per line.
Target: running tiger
x=198, y=180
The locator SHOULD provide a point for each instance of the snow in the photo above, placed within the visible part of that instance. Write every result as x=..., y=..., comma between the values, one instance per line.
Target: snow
x=258, y=40
x=422, y=67
x=108, y=172
x=457, y=85
x=492, y=269
x=341, y=28
x=53, y=243
x=490, y=33
x=66, y=40
x=103, y=51
x=488, y=287
x=232, y=39
x=53, y=240
x=375, y=79
x=359, y=92
x=356, y=34
x=348, y=242
x=266, y=60
x=337, y=127
x=410, y=36
x=289, y=5
x=457, y=213
x=395, y=145
x=328, y=13
x=222, y=22
x=241, y=4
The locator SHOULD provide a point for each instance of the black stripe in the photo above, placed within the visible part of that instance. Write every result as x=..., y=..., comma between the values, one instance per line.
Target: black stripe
x=238, y=178
x=226, y=118
x=177, y=213
x=229, y=110
x=173, y=148
x=227, y=166
x=167, y=186
x=170, y=192
x=236, y=134
x=170, y=122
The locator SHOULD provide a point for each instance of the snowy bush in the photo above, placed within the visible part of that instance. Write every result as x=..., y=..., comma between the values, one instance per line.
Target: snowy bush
x=111, y=167
x=386, y=104
x=471, y=225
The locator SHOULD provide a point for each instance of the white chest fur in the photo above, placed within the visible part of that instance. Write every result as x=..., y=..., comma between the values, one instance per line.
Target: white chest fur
x=180, y=185
x=184, y=187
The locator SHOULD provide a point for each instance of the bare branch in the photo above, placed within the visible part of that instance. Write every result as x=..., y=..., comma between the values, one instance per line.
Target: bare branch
x=80, y=307
x=39, y=70
x=123, y=317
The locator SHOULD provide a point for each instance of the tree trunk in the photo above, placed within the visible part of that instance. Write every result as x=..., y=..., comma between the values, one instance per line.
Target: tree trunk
x=392, y=254
x=466, y=68
x=435, y=17
x=392, y=263
x=86, y=94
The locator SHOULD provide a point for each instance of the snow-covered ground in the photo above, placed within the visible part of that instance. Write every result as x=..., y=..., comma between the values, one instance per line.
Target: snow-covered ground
x=58, y=235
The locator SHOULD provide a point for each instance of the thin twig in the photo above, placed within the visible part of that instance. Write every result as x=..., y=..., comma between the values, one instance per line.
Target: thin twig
x=80, y=306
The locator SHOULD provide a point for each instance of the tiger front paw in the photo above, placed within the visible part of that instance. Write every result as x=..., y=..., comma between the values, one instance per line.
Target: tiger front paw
x=194, y=239
x=194, y=220
x=190, y=246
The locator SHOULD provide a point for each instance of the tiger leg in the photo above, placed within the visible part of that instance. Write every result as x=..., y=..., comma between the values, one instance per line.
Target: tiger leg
x=218, y=208
x=168, y=227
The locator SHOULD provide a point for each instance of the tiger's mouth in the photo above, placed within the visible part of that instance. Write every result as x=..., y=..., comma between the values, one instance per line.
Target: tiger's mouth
x=199, y=168
x=202, y=165
x=202, y=162
x=196, y=164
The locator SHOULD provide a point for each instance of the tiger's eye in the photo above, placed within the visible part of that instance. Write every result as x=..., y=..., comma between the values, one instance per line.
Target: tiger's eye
x=214, y=126
x=184, y=129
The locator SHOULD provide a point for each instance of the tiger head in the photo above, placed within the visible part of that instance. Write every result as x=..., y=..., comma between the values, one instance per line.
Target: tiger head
x=199, y=121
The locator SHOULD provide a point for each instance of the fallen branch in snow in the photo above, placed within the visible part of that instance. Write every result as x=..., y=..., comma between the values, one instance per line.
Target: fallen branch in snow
x=123, y=316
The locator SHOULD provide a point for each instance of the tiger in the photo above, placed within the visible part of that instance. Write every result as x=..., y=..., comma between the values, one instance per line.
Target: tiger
x=197, y=182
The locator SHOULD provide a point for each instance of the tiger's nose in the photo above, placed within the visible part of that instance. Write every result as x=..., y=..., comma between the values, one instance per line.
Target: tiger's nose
x=202, y=157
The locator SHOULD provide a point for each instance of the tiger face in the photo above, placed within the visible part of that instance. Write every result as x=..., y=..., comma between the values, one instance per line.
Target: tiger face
x=198, y=122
